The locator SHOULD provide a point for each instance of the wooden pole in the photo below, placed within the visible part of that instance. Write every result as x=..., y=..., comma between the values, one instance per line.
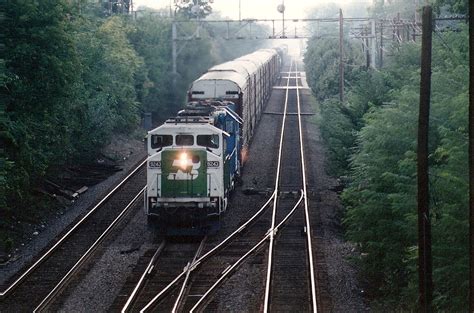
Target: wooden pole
x=424, y=226
x=381, y=46
x=373, y=44
x=471, y=159
x=367, y=51
x=341, y=56
x=174, y=52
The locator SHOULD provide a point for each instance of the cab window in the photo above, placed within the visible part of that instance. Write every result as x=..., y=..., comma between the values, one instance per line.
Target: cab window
x=209, y=141
x=184, y=140
x=160, y=141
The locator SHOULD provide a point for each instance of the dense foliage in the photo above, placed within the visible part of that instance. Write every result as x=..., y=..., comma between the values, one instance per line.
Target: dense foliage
x=322, y=71
x=371, y=138
x=73, y=77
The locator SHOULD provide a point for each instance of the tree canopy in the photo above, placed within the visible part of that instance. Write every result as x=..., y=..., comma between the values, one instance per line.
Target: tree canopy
x=371, y=140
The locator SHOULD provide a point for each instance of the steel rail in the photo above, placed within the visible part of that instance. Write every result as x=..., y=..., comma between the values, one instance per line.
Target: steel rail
x=306, y=206
x=266, y=303
x=147, y=272
x=47, y=300
x=210, y=253
x=232, y=268
x=63, y=238
x=179, y=299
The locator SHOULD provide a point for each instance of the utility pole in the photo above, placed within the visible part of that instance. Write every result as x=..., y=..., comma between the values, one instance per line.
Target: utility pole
x=424, y=224
x=174, y=51
x=398, y=28
x=471, y=158
x=381, y=46
x=341, y=57
x=365, y=35
x=240, y=8
x=373, y=46
x=283, y=2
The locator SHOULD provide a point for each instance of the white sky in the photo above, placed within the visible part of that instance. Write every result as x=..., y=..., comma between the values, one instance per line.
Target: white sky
x=256, y=8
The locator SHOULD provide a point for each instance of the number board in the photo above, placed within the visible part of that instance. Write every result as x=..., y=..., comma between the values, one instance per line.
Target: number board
x=212, y=163
x=154, y=164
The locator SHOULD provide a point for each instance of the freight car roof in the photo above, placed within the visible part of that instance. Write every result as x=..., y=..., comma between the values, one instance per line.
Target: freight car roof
x=250, y=67
x=259, y=57
x=234, y=77
x=271, y=51
x=234, y=66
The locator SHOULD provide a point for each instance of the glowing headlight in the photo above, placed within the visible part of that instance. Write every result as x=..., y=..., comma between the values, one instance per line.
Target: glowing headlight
x=183, y=160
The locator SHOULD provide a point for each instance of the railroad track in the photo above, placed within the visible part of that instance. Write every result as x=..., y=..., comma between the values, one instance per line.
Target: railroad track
x=290, y=263
x=169, y=260
x=180, y=290
x=38, y=286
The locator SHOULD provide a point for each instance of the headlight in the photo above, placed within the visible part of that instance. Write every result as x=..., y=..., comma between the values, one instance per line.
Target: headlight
x=183, y=160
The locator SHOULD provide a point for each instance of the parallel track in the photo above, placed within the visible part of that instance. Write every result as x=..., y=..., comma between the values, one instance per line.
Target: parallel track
x=38, y=285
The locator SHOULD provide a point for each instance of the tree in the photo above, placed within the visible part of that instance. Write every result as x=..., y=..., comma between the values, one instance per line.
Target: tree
x=194, y=8
x=380, y=201
x=43, y=64
x=371, y=139
x=453, y=6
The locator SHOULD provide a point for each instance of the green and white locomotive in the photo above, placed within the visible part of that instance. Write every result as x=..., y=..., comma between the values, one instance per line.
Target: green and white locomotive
x=193, y=162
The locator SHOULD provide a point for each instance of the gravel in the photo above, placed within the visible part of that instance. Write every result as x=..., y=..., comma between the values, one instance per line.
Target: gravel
x=101, y=283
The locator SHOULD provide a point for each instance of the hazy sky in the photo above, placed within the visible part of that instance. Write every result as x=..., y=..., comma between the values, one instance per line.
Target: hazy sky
x=255, y=8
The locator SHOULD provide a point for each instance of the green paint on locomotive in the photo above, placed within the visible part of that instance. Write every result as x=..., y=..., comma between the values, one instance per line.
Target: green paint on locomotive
x=184, y=174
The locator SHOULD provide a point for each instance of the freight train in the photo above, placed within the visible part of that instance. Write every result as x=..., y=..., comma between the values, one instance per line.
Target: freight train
x=195, y=158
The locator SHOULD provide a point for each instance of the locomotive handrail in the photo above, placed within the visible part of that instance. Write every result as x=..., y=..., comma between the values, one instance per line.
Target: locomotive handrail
x=234, y=115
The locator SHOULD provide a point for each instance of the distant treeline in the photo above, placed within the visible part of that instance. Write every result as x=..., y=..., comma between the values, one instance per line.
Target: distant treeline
x=371, y=142
x=73, y=76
